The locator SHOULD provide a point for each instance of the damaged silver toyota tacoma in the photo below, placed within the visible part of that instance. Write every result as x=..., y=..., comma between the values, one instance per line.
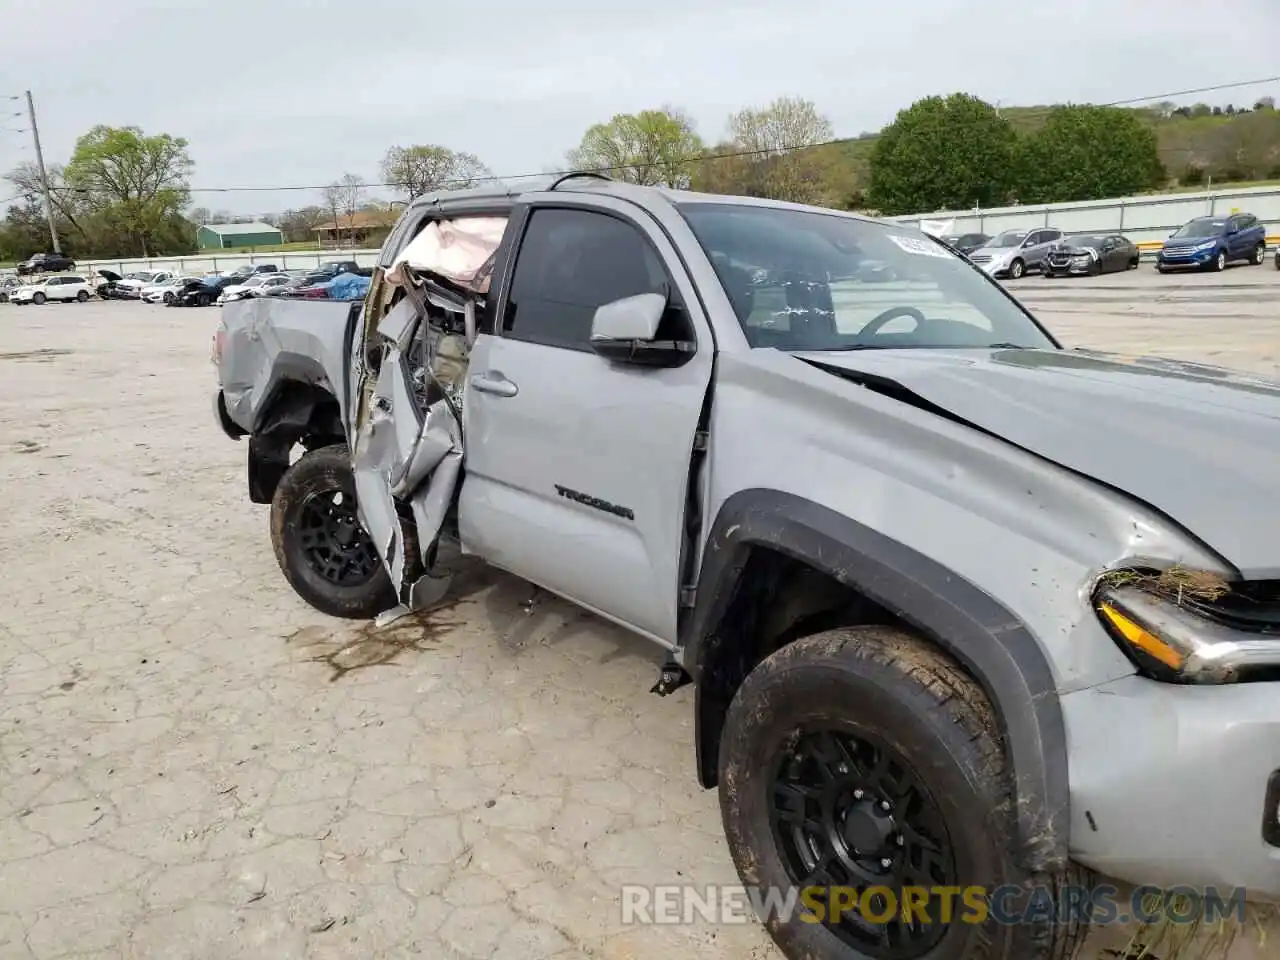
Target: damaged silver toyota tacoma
x=962, y=606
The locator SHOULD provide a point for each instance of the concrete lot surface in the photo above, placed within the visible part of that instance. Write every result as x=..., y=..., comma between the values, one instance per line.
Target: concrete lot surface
x=195, y=764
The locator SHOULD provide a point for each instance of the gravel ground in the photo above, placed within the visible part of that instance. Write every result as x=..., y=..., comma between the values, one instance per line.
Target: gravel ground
x=195, y=764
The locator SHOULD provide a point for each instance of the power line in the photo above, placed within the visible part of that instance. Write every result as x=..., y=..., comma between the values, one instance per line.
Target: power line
x=743, y=154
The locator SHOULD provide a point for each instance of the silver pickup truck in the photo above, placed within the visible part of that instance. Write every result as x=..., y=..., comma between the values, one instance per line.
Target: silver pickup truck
x=963, y=608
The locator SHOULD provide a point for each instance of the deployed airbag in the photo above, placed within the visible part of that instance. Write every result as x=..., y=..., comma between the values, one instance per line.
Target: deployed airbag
x=460, y=250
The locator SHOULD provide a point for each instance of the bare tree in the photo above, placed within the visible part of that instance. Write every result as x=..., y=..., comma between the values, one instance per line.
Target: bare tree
x=351, y=190
x=333, y=196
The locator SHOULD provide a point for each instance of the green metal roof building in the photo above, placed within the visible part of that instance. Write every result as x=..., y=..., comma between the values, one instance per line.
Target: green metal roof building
x=223, y=236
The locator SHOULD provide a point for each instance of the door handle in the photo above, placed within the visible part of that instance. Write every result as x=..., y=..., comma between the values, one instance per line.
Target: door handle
x=494, y=382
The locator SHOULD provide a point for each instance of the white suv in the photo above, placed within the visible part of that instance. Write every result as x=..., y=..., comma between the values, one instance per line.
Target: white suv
x=54, y=288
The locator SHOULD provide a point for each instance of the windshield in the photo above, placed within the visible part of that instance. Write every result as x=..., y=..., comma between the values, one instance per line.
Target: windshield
x=814, y=281
x=1010, y=238
x=1205, y=227
x=1088, y=240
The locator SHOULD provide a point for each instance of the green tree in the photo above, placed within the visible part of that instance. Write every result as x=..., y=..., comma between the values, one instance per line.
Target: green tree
x=421, y=168
x=134, y=185
x=782, y=151
x=1086, y=152
x=652, y=147
x=943, y=153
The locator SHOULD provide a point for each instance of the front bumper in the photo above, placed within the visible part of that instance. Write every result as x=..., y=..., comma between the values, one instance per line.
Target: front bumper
x=1187, y=795
x=1067, y=269
x=1174, y=259
x=228, y=426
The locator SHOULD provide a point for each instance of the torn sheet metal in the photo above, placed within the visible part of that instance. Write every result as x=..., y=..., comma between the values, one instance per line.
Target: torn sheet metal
x=461, y=251
x=407, y=452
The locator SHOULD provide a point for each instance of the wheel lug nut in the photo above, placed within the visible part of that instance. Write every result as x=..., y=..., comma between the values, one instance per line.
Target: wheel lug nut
x=842, y=769
x=886, y=862
x=857, y=794
x=901, y=840
x=884, y=805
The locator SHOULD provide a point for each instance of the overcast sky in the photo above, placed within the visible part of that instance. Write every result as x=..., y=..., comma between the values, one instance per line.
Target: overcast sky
x=284, y=92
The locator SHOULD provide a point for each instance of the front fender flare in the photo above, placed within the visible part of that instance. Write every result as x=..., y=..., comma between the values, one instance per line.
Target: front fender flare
x=977, y=630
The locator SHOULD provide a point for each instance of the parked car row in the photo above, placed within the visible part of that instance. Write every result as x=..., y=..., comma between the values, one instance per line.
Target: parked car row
x=1205, y=243
x=336, y=280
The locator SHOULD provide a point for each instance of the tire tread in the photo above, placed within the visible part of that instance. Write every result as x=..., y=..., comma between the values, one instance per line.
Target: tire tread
x=954, y=694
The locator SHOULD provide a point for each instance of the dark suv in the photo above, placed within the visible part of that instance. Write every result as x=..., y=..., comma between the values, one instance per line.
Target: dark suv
x=45, y=263
x=1210, y=243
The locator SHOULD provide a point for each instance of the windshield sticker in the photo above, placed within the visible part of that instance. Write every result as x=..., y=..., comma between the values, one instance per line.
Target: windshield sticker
x=919, y=246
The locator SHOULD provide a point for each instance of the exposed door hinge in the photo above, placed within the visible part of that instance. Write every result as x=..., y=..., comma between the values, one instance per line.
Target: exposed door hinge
x=688, y=596
x=700, y=440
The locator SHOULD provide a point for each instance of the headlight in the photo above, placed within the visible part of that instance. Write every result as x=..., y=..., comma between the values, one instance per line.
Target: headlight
x=1176, y=637
x=1208, y=244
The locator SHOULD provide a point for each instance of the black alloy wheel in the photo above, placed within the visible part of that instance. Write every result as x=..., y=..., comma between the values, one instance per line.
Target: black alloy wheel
x=332, y=541
x=323, y=551
x=848, y=811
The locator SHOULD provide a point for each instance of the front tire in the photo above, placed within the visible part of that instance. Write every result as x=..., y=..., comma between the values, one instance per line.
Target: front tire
x=323, y=552
x=1017, y=270
x=864, y=756
x=83, y=296
x=1219, y=262
x=38, y=298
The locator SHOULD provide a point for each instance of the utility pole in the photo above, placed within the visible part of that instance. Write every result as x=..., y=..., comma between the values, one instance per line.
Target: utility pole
x=44, y=176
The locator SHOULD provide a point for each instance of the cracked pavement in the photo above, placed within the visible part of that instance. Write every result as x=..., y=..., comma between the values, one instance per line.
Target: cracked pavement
x=193, y=763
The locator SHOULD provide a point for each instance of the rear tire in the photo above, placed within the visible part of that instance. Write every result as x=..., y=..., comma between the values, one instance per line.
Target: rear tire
x=322, y=551
x=827, y=731
x=1017, y=270
x=1259, y=254
x=83, y=296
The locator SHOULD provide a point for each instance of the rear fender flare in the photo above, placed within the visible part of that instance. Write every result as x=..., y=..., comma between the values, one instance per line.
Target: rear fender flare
x=973, y=627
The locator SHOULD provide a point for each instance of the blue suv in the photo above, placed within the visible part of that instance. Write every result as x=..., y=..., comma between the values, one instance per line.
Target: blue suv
x=1210, y=243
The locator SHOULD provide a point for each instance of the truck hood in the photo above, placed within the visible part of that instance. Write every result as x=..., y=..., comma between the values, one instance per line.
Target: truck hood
x=1183, y=243
x=1201, y=444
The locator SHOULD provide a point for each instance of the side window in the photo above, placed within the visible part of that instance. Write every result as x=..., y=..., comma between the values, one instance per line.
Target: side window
x=571, y=262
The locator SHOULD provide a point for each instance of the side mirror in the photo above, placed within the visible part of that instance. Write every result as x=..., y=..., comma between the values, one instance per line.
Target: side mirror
x=623, y=331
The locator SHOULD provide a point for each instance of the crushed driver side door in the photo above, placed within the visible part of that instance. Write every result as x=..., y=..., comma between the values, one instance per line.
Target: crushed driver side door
x=407, y=359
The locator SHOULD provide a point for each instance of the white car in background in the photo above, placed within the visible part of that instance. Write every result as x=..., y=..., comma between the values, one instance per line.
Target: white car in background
x=164, y=292
x=63, y=288
x=133, y=284
x=254, y=286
